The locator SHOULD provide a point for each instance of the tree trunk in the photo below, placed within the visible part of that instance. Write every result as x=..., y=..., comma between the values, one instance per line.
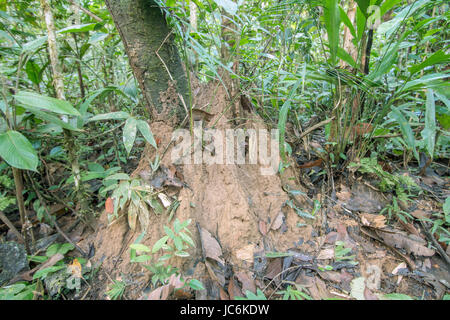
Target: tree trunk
x=153, y=56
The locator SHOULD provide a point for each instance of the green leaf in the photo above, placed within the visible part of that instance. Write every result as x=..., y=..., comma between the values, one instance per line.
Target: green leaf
x=196, y=284
x=406, y=130
x=436, y=58
x=363, y=5
x=140, y=247
x=158, y=245
x=51, y=118
x=46, y=103
x=397, y=296
x=129, y=133
x=144, y=128
x=44, y=272
x=34, y=44
x=429, y=132
x=332, y=18
x=119, y=115
x=229, y=6
x=33, y=72
x=278, y=254
x=78, y=28
x=118, y=176
x=17, y=151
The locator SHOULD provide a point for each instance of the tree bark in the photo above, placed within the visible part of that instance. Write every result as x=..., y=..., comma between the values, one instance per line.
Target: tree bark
x=152, y=54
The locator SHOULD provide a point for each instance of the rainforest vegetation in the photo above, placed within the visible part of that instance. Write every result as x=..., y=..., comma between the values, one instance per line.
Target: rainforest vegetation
x=91, y=206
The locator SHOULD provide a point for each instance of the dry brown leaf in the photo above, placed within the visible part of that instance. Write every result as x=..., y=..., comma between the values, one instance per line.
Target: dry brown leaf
x=326, y=254
x=132, y=215
x=246, y=253
x=273, y=268
x=332, y=276
x=233, y=289
x=109, y=206
x=263, y=227
x=215, y=274
x=420, y=214
x=399, y=240
x=373, y=220
x=368, y=295
x=211, y=248
x=278, y=221
x=247, y=282
x=223, y=294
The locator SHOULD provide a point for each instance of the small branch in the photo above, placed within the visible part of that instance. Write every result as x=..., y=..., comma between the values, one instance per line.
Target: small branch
x=93, y=16
x=314, y=127
x=441, y=251
x=11, y=227
x=42, y=201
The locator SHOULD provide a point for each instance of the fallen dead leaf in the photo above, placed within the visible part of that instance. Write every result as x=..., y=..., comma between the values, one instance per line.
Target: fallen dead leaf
x=326, y=254
x=211, y=248
x=373, y=220
x=247, y=282
x=246, y=253
x=263, y=227
x=278, y=221
x=399, y=240
x=233, y=289
x=109, y=205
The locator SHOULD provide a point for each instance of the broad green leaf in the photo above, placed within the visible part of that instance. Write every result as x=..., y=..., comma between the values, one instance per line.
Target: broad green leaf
x=347, y=21
x=278, y=254
x=397, y=296
x=118, y=176
x=46, y=103
x=34, y=44
x=17, y=151
x=140, y=247
x=332, y=19
x=158, y=245
x=129, y=133
x=144, y=128
x=50, y=118
x=436, y=58
x=429, y=132
x=196, y=284
x=343, y=55
x=282, y=117
x=78, y=28
x=119, y=115
x=229, y=6
x=363, y=5
x=33, y=72
x=406, y=130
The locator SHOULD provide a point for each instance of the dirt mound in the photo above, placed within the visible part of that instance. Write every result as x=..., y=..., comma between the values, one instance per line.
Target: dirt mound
x=235, y=203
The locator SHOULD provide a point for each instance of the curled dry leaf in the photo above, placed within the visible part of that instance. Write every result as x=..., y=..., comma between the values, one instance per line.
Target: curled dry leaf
x=246, y=253
x=399, y=240
x=233, y=289
x=211, y=247
x=373, y=220
x=247, y=282
x=109, y=205
x=326, y=254
x=263, y=227
x=132, y=215
x=278, y=221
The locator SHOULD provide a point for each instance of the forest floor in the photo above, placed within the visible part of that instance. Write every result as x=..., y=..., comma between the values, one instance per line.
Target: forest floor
x=263, y=232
